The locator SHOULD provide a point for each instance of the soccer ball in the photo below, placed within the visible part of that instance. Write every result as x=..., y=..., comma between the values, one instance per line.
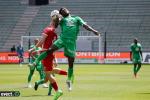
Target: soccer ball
x=54, y=13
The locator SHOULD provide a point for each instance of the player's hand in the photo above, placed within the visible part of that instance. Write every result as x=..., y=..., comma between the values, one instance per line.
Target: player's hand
x=31, y=50
x=97, y=33
x=142, y=59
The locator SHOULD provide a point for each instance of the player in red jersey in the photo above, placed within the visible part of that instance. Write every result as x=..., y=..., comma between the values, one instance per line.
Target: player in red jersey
x=48, y=36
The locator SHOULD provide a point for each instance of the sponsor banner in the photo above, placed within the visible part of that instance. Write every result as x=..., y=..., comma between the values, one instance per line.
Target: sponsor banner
x=84, y=60
x=81, y=57
x=62, y=60
x=146, y=57
x=8, y=57
x=117, y=61
x=100, y=55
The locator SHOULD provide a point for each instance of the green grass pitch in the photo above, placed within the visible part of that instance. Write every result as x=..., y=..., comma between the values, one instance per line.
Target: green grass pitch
x=92, y=82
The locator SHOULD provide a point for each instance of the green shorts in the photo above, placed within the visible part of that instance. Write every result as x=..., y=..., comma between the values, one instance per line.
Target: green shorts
x=68, y=45
x=137, y=60
x=38, y=68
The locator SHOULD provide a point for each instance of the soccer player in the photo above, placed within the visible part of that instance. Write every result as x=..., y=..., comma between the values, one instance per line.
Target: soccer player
x=70, y=26
x=20, y=53
x=136, y=56
x=48, y=36
x=39, y=67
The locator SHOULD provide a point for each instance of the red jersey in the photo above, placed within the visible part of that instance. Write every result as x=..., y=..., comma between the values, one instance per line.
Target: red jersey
x=51, y=36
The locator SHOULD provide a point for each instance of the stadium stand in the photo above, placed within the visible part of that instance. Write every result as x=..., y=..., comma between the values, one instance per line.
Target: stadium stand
x=122, y=20
x=10, y=12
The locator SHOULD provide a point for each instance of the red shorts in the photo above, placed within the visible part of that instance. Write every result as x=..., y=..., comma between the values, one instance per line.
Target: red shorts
x=48, y=62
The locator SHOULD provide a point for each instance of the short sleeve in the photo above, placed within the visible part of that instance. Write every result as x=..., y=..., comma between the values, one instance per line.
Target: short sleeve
x=131, y=47
x=80, y=20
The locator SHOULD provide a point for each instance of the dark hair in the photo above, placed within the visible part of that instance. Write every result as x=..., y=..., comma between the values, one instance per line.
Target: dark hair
x=60, y=10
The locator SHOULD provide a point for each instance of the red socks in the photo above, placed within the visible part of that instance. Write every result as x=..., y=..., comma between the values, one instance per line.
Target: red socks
x=62, y=72
x=55, y=86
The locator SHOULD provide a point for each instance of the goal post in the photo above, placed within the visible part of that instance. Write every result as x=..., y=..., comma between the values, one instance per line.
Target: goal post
x=89, y=49
x=26, y=42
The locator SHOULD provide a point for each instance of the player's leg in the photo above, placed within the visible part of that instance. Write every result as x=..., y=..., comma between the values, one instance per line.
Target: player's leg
x=42, y=75
x=48, y=71
x=135, y=62
x=20, y=60
x=70, y=68
x=43, y=80
x=45, y=54
x=57, y=45
x=59, y=71
x=138, y=66
x=70, y=50
x=55, y=87
x=134, y=69
x=50, y=89
x=30, y=76
x=70, y=73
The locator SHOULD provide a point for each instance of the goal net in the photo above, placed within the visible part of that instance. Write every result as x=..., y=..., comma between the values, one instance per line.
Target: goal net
x=89, y=49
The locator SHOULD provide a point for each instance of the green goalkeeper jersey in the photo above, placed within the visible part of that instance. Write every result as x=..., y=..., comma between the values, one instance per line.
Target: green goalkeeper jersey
x=70, y=27
x=37, y=49
x=39, y=66
x=135, y=49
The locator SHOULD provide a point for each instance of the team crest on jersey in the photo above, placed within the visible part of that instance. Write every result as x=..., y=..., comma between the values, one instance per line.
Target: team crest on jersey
x=136, y=49
x=70, y=22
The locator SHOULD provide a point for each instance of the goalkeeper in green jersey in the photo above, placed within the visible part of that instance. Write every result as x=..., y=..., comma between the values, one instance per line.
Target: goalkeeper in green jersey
x=39, y=66
x=136, y=56
x=70, y=26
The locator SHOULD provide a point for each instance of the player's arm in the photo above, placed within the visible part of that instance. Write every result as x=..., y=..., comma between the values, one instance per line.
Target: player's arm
x=141, y=53
x=89, y=28
x=86, y=26
x=131, y=52
x=32, y=55
x=40, y=42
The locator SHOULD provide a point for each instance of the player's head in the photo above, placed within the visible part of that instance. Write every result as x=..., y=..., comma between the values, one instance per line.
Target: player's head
x=55, y=18
x=64, y=12
x=36, y=41
x=135, y=40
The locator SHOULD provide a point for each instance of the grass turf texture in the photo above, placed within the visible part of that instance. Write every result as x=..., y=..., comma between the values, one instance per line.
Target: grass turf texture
x=92, y=82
